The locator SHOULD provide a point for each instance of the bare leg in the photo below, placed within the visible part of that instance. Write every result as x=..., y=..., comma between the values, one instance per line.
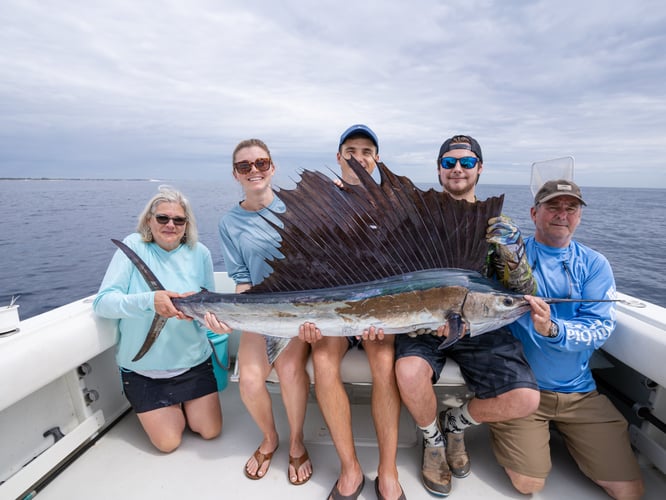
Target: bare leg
x=295, y=386
x=164, y=427
x=385, y=412
x=525, y=484
x=517, y=403
x=254, y=369
x=204, y=415
x=623, y=490
x=327, y=354
x=414, y=378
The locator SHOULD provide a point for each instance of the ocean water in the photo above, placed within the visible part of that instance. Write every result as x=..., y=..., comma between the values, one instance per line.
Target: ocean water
x=55, y=234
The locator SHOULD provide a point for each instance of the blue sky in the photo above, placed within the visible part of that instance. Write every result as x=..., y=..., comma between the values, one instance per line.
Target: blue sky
x=148, y=89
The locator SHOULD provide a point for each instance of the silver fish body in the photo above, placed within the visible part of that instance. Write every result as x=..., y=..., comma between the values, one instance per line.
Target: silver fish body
x=420, y=300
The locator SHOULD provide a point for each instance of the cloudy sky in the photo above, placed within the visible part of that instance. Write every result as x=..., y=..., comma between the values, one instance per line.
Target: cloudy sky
x=165, y=89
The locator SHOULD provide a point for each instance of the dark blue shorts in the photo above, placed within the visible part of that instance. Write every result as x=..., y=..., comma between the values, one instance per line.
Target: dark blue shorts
x=354, y=342
x=145, y=393
x=491, y=363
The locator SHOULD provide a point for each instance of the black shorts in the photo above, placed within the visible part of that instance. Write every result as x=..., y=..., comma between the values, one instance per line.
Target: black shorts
x=145, y=393
x=491, y=363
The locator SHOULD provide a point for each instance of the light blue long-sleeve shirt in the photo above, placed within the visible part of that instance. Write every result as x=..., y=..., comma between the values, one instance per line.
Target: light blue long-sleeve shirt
x=125, y=295
x=249, y=242
x=561, y=364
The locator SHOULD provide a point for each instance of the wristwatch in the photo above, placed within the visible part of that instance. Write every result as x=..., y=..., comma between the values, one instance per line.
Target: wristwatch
x=553, y=330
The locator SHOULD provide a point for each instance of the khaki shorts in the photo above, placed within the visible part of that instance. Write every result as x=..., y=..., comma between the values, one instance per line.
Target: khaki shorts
x=594, y=431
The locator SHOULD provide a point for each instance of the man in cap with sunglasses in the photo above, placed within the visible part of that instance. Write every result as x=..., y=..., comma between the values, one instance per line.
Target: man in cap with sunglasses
x=493, y=365
x=559, y=341
x=360, y=142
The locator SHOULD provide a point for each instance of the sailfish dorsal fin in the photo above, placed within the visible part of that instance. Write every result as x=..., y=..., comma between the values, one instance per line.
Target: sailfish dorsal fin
x=333, y=236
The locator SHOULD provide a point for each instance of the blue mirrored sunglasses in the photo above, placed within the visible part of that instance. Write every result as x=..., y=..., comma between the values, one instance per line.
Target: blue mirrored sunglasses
x=448, y=162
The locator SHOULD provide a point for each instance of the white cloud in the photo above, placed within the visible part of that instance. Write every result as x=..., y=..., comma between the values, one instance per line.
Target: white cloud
x=142, y=88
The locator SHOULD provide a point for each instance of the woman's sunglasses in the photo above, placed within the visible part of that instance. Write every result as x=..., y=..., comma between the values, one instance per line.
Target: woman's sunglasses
x=164, y=219
x=245, y=167
x=448, y=162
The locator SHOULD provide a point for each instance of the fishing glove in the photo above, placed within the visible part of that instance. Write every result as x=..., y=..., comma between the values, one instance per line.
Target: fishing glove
x=507, y=257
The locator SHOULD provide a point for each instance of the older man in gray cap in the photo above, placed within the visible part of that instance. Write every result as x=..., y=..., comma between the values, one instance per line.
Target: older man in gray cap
x=559, y=341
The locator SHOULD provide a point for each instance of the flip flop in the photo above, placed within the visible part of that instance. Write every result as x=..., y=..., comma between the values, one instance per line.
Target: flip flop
x=336, y=495
x=379, y=493
x=296, y=463
x=260, y=458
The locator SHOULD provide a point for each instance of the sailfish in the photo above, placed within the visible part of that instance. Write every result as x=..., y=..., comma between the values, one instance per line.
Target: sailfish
x=386, y=254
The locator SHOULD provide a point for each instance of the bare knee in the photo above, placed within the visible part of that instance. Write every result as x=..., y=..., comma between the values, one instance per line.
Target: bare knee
x=210, y=432
x=624, y=490
x=209, y=428
x=519, y=403
x=326, y=362
x=291, y=370
x=167, y=442
x=251, y=382
x=525, y=484
x=411, y=372
x=382, y=363
x=532, y=400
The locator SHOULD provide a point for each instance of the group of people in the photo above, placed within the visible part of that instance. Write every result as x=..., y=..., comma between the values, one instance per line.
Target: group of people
x=524, y=377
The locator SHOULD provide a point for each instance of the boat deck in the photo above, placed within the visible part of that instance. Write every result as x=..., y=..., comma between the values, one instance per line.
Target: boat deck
x=123, y=463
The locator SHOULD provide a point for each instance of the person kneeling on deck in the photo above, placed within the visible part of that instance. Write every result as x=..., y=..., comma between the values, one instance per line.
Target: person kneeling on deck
x=173, y=385
x=559, y=341
x=360, y=142
x=493, y=365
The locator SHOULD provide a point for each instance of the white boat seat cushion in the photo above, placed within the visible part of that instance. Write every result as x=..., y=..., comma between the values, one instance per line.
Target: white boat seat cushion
x=355, y=369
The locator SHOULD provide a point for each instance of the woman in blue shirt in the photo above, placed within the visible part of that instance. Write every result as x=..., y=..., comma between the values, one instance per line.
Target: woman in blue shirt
x=173, y=384
x=248, y=241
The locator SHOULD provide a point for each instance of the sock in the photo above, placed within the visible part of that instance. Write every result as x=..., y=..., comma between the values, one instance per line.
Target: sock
x=459, y=419
x=431, y=435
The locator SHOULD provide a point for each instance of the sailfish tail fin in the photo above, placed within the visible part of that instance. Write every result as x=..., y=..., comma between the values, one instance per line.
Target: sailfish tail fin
x=154, y=284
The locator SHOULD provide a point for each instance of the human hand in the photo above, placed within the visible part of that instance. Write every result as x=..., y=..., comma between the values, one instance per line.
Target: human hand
x=540, y=314
x=502, y=231
x=373, y=334
x=509, y=261
x=444, y=330
x=308, y=332
x=165, y=308
x=215, y=325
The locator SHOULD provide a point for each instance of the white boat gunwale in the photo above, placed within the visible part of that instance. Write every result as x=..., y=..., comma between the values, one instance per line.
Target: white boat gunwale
x=49, y=349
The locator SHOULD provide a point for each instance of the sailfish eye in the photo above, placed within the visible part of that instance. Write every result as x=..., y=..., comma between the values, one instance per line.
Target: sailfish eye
x=508, y=301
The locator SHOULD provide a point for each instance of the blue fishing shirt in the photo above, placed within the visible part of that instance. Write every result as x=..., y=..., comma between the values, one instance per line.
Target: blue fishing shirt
x=249, y=242
x=561, y=364
x=125, y=295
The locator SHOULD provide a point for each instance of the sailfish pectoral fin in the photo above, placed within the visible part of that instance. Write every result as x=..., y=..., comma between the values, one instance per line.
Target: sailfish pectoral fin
x=456, y=327
x=153, y=333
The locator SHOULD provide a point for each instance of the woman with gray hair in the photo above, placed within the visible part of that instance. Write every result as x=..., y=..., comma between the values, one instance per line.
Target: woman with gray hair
x=173, y=384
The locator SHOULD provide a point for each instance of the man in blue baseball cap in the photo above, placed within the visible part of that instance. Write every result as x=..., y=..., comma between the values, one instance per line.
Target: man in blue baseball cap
x=360, y=142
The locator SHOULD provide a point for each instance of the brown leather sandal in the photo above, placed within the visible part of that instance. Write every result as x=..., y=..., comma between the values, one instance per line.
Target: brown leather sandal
x=296, y=463
x=260, y=458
